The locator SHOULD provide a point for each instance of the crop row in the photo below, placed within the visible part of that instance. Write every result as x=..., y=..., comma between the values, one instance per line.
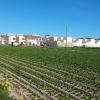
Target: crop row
x=56, y=74
x=37, y=81
x=26, y=84
x=64, y=69
x=27, y=71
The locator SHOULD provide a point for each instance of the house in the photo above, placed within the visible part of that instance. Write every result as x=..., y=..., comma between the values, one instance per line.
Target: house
x=78, y=42
x=4, y=39
x=11, y=39
x=32, y=40
x=55, y=38
x=97, y=43
x=93, y=43
x=86, y=42
x=49, y=41
x=90, y=43
x=65, y=42
x=20, y=39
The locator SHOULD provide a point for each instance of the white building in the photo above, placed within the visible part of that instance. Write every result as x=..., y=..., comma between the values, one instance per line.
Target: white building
x=65, y=42
x=2, y=41
x=33, y=40
x=91, y=43
x=55, y=38
x=86, y=42
x=15, y=39
x=20, y=39
x=98, y=43
x=78, y=43
x=11, y=39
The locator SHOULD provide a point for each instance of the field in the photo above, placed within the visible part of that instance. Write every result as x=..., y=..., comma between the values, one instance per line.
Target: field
x=53, y=73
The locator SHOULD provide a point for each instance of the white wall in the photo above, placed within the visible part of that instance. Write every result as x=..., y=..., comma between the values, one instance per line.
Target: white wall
x=11, y=39
x=93, y=44
x=33, y=42
x=64, y=44
x=55, y=38
x=61, y=38
x=22, y=39
x=90, y=43
x=98, y=44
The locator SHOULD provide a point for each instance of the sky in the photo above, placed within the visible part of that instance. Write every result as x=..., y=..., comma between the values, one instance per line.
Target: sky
x=82, y=17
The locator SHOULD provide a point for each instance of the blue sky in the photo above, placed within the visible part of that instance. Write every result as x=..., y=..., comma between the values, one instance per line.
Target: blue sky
x=50, y=17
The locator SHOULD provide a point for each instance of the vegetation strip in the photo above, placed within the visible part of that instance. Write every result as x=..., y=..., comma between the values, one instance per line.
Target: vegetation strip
x=26, y=84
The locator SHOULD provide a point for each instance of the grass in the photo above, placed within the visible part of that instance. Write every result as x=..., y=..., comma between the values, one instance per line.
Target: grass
x=85, y=58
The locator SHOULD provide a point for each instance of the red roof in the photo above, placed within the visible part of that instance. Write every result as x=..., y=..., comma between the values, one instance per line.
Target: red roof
x=31, y=37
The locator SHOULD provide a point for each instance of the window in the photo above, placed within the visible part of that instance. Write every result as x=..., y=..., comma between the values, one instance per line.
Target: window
x=14, y=38
x=23, y=38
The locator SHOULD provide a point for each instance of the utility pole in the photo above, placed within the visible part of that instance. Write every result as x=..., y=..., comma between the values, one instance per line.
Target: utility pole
x=66, y=36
